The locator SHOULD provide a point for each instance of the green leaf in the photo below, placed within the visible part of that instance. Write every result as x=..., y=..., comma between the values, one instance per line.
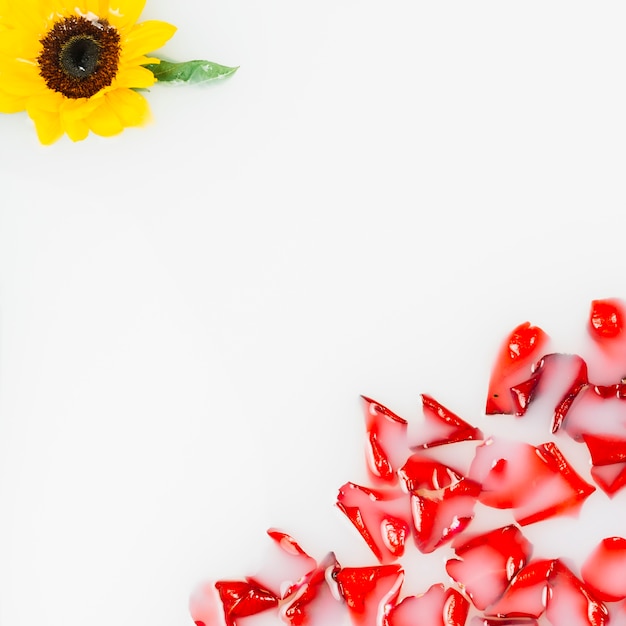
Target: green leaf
x=189, y=71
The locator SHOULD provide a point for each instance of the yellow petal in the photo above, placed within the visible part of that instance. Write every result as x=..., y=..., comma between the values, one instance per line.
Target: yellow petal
x=145, y=37
x=97, y=7
x=76, y=130
x=19, y=78
x=135, y=77
x=11, y=104
x=18, y=44
x=103, y=121
x=31, y=16
x=124, y=13
x=129, y=106
x=77, y=108
x=47, y=125
x=50, y=102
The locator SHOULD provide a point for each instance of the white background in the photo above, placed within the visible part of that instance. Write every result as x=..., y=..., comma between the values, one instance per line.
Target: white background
x=189, y=311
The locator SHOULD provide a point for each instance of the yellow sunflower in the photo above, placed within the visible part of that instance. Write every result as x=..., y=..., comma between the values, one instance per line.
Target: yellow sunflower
x=74, y=65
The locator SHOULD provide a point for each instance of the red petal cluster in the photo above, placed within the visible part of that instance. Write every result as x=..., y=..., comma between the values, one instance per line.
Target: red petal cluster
x=587, y=411
x=415, y=497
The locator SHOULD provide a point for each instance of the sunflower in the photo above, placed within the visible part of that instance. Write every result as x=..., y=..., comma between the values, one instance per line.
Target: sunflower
x=74, y=66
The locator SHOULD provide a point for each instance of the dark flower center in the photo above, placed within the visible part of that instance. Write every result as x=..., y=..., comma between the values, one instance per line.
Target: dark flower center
x=79, y=57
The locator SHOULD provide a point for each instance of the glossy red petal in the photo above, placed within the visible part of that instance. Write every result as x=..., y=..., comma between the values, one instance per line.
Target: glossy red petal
x=455, y=608
x=287, y=543
x=610, y=478
x=370, y=592
x=386, y=442
x=436, y=607
x=442, y=501
x=605, y=450
x=243, y=598
x=570, y=602
x=606, y=319
x=523, y=393
x=486, y=563
x=579, y=381
x=537, y=482
x=525, y=597
x=519, y=351
x=557, y=379
x=442, y=426
x=313, y=598
x=382, y=518
x=513, y=621
x=598, y=414
x=604, y=570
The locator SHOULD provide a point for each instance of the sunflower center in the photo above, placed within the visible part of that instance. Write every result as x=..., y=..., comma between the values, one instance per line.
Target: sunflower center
x=79, y=57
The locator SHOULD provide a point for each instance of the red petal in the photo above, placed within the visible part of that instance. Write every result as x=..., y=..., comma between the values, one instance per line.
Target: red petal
x=526, y=594
x=486, y=563
x=382, y=518
x=610, y=478
x=578, y=384
x=616, y=390
x=523, y=393
x=455, y=609
x=596, y=414
x=442, y=501
x=559, y=378
x=311, y=596
x=606, y=319
x=285, y=564
x=433, y=608
x=514, y=621
x=287, y=543
x=386, y=444
x=242, y=598
x=570, y=602
x=537, y=482
x=496, y=467
x=605, y=450
x=442, y=426
x=604, y=570
x=370, y=592
x=205, y=606
x=564, y=492
x=513, y=365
